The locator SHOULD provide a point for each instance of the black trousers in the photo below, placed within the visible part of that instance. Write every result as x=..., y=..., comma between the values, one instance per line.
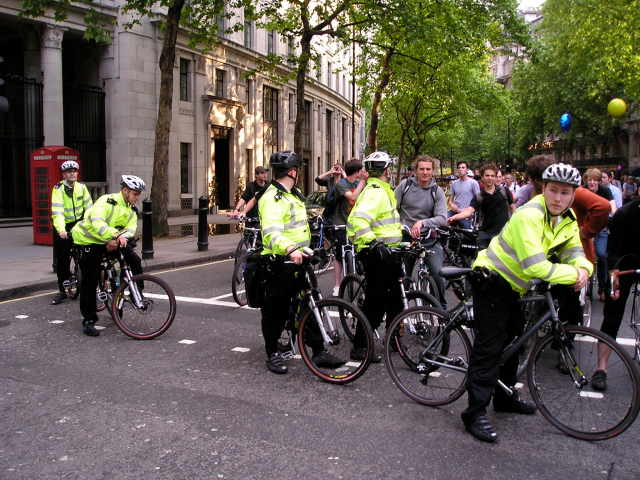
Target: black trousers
x=90, y=259
x=498, y=320
x=62, y=252
x=285, y=283
x=382, y=290
x=614, y=309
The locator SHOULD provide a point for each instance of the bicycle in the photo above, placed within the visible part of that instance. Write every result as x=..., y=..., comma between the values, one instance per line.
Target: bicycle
x=72, y=284
x=440, y=348
x=316, y=323
x=142, y=306
x=460, y=247
x=634, y=322
x=249, y=243
x=319, y=240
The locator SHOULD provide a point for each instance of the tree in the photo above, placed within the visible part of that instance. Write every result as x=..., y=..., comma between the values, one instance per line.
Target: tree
x=198, y=16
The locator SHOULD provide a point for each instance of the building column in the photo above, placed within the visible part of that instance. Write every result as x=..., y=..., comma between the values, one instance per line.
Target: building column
x=52, y=105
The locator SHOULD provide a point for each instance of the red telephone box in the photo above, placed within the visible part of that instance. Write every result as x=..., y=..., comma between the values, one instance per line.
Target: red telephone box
x=45, y=173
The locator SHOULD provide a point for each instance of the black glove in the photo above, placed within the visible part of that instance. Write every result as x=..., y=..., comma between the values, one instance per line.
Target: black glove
x=381, y=252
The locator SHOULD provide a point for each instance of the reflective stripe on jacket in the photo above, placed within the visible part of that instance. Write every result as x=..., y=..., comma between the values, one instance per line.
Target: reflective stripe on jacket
x=375, y=216
x=283, y=219
x=109, y=217
x=522, y=250
x=67, y=208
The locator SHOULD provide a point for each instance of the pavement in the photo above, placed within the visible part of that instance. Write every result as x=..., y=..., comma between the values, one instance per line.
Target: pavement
x=28, y=268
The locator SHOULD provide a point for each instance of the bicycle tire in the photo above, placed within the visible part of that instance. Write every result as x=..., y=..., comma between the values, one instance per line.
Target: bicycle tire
x=238, y=288
x=352, y=289
x=326, y=263
x=103, y=287
x=423, y=280
x=349, y=263
x=157, y=295
x=545, y=381
x=422, y=381
x=240, y=248
x=308, y=335
x=73, y=291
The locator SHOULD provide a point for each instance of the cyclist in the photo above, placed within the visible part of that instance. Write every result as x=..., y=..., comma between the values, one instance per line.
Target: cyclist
x=247, y=204
x=623, y=254
x=374, y=226
x=422, y=205
x=285, y=232
x=109, y=224
x=69, y=200
x=542, y=228
x=463, y=190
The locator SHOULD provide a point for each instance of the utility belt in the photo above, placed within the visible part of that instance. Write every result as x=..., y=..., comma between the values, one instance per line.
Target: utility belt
x=271, y=276
x=484, y=280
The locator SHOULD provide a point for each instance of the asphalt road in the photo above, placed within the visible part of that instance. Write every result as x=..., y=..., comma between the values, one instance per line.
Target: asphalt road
x=75, y=407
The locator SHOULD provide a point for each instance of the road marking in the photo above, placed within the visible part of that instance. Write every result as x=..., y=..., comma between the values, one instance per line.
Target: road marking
x=56, y=322
x=99, y=327
x=27, y=298
x=352, y=364
x=435, y=374
x=22, y=316
x=205, y=301
x=630, y=342
x=518, y=385
x=187, y=342
x=240, y=349
x=188, y=267
x=591, y=394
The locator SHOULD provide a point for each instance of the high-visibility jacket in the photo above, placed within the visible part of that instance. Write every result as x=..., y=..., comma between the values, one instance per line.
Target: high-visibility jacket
x=67, y=208
x=110, y=217
x=283, y=220
x=375, y=216
x=522, y=250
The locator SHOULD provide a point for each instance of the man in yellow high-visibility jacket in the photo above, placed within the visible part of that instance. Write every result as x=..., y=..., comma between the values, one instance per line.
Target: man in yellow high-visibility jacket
x=108, y=225
x=374, y=226
x=285, y=232
x=540, y=231
x=69, y=200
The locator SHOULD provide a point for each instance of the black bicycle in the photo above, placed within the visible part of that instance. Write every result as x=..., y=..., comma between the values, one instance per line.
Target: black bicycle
x=72, y=284
x=557, y=373
x=249, y=243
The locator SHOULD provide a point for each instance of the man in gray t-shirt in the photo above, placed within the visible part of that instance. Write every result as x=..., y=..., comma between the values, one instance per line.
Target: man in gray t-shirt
x=463, y=191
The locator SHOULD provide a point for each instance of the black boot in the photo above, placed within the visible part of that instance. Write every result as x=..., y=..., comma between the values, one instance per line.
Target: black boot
x=58, y=298
x=88, y=328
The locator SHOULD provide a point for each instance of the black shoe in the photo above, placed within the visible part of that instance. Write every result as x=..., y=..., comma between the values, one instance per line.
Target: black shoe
x=481, y=428
x=599, y=380
x=88, y=328
x=514, y=405
x=359, y=354
x=275, y=363
x=325, y=360
x=58, y=298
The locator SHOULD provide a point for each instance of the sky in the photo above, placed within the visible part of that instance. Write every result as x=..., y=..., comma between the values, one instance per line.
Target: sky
x=530, y=3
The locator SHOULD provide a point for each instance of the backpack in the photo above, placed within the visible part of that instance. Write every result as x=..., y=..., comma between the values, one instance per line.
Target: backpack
x=330, y=202
x=406, y=188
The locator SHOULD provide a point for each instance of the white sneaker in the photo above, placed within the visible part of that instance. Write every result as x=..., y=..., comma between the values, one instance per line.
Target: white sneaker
x=336, y=291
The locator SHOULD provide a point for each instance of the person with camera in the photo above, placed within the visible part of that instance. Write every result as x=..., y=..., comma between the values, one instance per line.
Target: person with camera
x=374, y=226
x=69, y=200
x=107, y=226
x=285, y=235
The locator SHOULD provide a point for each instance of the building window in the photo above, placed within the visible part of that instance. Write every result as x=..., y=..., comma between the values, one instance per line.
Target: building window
x=319, y=69
x=329, y=74
x=220, y=18
x=344, y=85
x=292, y=106
x=185, y=167
x=270, y=132
x=248, y=30
x=345, y=145
x=329, y=138
x=306, y=128
x=250, y=96
x=220, y=83
x=185, y=80
x=291, y=51
x=271, y=42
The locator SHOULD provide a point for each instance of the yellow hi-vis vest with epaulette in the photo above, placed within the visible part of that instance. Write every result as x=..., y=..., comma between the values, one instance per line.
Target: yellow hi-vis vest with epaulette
x=522, y=250
x=67, y=208
x=283, y=220
x=110, y=217
x=375, y=216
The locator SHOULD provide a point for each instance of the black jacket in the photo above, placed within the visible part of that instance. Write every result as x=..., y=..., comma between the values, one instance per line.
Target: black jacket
x=624, y=237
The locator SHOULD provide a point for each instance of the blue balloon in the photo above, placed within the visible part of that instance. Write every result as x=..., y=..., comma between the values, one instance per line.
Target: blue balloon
x=565, y=122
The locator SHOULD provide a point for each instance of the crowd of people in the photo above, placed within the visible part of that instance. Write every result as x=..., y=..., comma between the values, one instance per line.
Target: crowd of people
x=551, y=228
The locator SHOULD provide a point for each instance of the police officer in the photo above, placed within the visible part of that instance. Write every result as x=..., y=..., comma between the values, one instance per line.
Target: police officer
x=285, y=232
x=69, y=200
x=108, y=225
x=374, y=226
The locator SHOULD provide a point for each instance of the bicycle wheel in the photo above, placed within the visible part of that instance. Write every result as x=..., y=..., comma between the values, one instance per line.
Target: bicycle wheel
x=327, y=262
x=427, y=360
x=422, y=299
x=73, y=286
x=103, y=292
x=339, y=342
x=238, y=289
x=567, y=400
x=423, y=280
x=352, y=290
x=240, y=249
x=153, y=317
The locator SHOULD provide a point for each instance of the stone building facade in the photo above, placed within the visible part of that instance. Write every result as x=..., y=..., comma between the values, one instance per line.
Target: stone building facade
x=103, y=100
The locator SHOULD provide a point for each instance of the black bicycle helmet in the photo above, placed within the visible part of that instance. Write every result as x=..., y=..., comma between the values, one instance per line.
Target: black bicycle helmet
x=283, y=161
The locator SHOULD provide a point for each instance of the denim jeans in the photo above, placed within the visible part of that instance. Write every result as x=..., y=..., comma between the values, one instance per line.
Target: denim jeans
x=601, y=252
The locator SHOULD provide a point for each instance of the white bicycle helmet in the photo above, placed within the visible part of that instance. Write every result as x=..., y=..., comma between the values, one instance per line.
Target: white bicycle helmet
x=377, y=162
x=562, y=173
x=133, y=182
x=68, y=165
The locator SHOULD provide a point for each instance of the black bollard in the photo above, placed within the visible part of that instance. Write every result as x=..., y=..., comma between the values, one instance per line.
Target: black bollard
x=147, y=229
x=203, y=226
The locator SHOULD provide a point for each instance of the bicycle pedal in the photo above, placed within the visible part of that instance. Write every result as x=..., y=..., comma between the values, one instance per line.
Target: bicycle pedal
x=66, y=283
x=102, y=296
x=288, y=355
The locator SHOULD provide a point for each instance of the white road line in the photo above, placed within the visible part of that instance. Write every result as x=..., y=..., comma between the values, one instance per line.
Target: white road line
x=591, y=394
x=240, y=349
x=630, y=342
x=187, y=342
x=56, y=322
x=22, y=316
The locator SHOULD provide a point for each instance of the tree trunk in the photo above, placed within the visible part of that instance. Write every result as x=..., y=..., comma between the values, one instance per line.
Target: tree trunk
x=301, y=72
x=160, y=184
x=385, y=77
